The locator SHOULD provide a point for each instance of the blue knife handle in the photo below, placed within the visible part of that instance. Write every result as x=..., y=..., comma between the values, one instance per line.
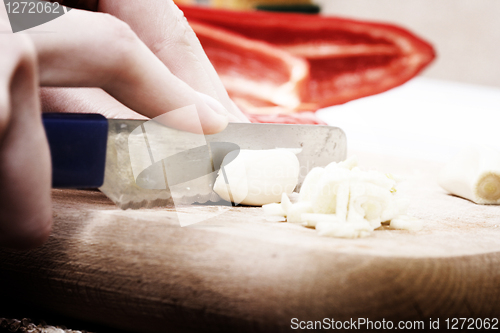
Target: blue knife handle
x=77, y=147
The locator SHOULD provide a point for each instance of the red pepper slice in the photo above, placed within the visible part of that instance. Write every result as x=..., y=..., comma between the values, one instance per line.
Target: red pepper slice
x=282, y=63
x=260, y=78
x=295, y=118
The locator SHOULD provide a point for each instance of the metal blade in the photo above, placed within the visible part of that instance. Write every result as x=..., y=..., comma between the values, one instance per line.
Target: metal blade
x=190, y=161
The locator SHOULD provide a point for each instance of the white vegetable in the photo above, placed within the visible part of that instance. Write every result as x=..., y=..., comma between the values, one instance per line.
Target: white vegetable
x=295, y=212
x=310, y=183
x=473, y=174
x=396, y=207
x=257, y=177
x=406, y=222
x=331, y=192
x=348, y=164
x=341, y=200
x=368, y=203
x=273, y=209
x=286, y=204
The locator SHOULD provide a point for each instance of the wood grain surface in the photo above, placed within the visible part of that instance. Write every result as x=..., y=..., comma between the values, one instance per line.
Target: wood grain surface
x=238, y=272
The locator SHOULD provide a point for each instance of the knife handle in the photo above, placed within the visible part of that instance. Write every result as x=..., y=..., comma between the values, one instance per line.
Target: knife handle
x=77, y=147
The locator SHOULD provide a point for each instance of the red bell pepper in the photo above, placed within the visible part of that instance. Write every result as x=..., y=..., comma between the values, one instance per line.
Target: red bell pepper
x=293, y=118
x=282, y=63
x=259, y=77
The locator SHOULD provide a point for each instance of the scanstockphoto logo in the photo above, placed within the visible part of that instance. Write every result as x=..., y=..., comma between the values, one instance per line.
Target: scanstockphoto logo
x=24, y=15
x=184, y=163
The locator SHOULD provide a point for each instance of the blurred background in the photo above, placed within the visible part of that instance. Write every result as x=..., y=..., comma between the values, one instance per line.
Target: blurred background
x=453, y=103
x=466, y=34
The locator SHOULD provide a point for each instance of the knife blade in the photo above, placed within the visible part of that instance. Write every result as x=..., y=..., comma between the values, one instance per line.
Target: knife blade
x=144, y=164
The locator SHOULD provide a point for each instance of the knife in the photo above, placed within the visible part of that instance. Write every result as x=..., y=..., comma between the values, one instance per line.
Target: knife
x=144, y=164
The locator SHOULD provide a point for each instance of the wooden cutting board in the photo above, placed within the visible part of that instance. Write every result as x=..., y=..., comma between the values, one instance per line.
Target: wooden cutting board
x=139, y=270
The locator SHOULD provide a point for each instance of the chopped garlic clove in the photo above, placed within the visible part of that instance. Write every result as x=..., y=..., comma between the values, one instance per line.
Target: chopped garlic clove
x=294, y=214
x=273, y=209
x=372, y=208
x=344, y=229
x=310, y=183
x=231, y=184
x=474, y=174
x=286, y=204
x=311, y=219
x=348, y=164
x=367, y=203
x=354, y=213
x=324, y=199
x=373, y=177
x=396, y=206
x=257, y=177
x=342, y=201
x=406, y=222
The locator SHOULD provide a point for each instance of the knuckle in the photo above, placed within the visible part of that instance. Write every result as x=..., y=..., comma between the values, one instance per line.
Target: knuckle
x=119, y=31
x=122, y=40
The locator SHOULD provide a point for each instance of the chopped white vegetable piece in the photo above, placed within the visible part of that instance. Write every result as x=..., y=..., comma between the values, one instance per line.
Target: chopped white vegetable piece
x=344, y=229
x=286, y=204
x=373, y=177
x=311, y=219
x=273, y=209
x=295, y=212
x=271, y=218
x=474, y=174
x=310, y=183
x=406, y=222
x=397, y=206
x=257, y=177
x=341, y=200
x=324, y=199
x=367, y=203
x=349, y=163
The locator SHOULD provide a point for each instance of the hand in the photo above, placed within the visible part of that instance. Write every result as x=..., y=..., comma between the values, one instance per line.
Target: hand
x=153, y=64
x=162, y=27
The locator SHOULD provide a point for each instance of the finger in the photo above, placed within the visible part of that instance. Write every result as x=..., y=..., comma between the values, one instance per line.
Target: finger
x=85, y=100
x=95, y=100
x=162, y=26
x=97, y=50
x=25, y=171
x=212, y=102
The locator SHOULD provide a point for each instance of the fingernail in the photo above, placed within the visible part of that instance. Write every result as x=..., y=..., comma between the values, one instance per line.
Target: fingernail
x=214, y=104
